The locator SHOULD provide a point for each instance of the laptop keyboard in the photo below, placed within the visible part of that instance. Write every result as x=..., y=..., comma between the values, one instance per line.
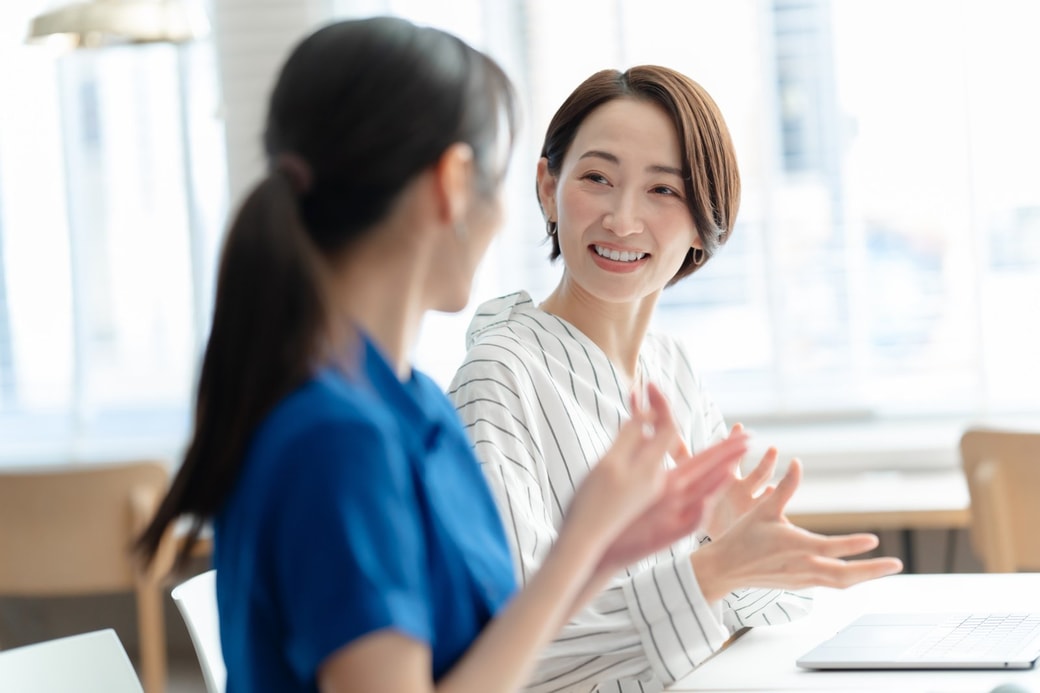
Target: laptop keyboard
x=977, y=635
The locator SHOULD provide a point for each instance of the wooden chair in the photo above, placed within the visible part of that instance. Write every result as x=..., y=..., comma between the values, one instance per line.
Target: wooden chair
x=66, y=531
x=87, y=663
x=196, y=599
x=1002, y=468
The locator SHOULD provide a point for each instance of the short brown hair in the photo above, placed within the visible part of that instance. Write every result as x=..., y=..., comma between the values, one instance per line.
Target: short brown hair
x=709, y=162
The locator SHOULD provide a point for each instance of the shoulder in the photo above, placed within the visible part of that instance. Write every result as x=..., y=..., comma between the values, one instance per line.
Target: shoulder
x=513, y=322
x=324, y=447
x=499, y=341
x=493, y=316
x=326, y=429
x=328, y=400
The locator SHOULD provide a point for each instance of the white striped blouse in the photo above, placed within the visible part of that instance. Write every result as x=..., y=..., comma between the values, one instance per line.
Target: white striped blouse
x=542, y=403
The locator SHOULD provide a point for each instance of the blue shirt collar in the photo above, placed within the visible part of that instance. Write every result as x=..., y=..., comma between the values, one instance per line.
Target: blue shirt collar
x=410, y=400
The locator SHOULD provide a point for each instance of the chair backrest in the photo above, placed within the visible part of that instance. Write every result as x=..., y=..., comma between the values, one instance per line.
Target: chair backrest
x=196, y=598
x=1002, y=468
x=88, y=663
x=67, y=530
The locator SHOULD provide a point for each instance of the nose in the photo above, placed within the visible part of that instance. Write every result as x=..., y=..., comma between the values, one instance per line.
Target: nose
x=623, y=218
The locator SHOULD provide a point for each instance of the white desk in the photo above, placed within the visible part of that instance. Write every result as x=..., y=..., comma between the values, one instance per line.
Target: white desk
x=763, y=659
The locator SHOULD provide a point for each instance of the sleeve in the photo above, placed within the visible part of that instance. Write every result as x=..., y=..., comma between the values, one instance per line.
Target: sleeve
x=764, y=607
x=349, y=545
x=653, y=624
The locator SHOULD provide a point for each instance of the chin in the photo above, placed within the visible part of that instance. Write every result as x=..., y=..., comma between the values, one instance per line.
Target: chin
x=451, y=304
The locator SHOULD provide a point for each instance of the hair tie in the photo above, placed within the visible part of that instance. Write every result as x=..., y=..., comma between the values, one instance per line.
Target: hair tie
x=298, y=171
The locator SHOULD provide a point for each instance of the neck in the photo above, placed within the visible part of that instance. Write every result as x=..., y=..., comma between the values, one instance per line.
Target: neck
x=381, y=291
x=616, y=328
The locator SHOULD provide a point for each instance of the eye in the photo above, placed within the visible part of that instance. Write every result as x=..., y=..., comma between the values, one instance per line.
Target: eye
x=596, y=178
x=665, y=190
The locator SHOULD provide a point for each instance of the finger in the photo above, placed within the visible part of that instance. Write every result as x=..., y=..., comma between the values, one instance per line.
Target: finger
x=761, y=474
x=708, y=484
x=781, y=495
x=697, y=496
x=630, y=436
x=680, y=453
x=737, y=429
x=635, y=405
x=657, y=403
x=847, y=545
x=725, y=455
x=658, y=406
x=649, y=406
x=833, y=572
x=664, y=433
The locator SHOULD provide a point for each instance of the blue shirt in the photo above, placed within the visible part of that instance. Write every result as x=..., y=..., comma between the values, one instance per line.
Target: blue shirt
x=359, y=507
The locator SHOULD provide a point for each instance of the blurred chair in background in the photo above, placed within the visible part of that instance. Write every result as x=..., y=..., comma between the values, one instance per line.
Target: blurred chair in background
x=88, y=663
x=66, y=531
x=1002, y=469
x=196, y=598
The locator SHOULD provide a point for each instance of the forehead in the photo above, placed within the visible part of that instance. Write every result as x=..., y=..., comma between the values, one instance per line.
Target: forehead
x=633, y=130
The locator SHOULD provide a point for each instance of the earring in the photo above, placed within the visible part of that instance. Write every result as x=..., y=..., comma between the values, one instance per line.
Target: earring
x=551, y=227
x=698, y=256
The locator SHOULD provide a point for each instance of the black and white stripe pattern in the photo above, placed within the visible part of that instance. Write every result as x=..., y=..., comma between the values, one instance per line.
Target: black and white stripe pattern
x=542, y=403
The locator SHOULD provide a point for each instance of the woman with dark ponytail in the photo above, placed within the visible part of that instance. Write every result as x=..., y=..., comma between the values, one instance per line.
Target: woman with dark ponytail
x=356, y=544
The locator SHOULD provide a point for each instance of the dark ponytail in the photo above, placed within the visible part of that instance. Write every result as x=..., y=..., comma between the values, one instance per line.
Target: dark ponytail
x=360, y=108
x=269, y=315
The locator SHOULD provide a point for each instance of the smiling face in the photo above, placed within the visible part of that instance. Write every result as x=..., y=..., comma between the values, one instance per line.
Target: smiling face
x=624, y=227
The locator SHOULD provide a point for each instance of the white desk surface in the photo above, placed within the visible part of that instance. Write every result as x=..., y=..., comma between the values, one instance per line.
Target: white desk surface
x=763, y=659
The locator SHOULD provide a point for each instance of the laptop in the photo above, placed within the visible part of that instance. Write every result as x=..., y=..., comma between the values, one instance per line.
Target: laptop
x=931, y=641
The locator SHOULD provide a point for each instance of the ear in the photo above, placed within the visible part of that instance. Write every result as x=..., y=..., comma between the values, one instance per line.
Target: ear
x=453, y=182
x=546, y=185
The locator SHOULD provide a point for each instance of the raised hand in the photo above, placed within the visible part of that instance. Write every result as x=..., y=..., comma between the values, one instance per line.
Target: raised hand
x=630, y=476
x=678, y=511
x=726, y=507
x=763, y=549
x=630, y=504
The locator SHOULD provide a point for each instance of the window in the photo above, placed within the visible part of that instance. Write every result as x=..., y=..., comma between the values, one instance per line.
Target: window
x=106, y=245
x=885, y=263
x=887, y=251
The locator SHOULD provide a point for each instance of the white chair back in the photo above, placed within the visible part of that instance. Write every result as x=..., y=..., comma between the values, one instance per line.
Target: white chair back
x=88, y=663
x=196, y=598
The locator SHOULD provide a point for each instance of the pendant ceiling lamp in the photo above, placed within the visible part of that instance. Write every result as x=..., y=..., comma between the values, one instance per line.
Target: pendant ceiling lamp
x=106, y=22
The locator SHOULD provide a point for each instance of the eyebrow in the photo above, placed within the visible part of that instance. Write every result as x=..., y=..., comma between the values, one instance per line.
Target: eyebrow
x=654, y=168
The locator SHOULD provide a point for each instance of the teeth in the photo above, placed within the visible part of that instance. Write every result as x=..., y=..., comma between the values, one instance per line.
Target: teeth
x=619, y=255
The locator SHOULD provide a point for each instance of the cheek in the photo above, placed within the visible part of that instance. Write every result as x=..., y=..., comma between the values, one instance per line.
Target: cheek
x=679, y=237
x=485, y=225
x=577, y=209
x=577, y=212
